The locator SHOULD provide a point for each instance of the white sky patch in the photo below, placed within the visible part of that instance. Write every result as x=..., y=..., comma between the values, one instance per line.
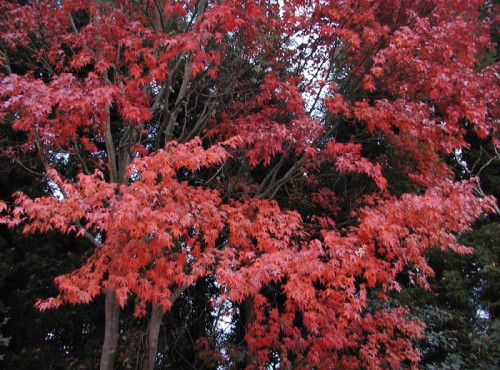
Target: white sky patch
x=458, y=157
x=223, y=310
x=54, y=190
x=312, y=62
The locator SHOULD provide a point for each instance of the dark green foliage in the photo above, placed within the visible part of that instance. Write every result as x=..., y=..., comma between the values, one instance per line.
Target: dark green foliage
x=462, y=313
x=60, y=339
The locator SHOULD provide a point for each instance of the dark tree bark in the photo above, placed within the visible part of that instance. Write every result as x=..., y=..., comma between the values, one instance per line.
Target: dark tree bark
x=111, y=332
x=157, y=314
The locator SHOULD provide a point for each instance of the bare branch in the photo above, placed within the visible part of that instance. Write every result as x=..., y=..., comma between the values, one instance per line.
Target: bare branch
x=110, y=148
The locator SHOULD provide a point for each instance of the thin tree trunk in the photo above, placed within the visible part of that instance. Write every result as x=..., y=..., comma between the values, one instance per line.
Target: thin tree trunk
x=157, y=313
x=111, y=333
x=153, y=334
x=248, y=317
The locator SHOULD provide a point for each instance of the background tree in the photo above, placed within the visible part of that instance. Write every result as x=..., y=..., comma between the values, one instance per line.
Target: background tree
x=64, y=339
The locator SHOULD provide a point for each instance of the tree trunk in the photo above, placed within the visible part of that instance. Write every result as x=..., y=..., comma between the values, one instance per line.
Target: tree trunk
x=112, y=316
x=153, y=333
x=247, y=317
x=157, y=314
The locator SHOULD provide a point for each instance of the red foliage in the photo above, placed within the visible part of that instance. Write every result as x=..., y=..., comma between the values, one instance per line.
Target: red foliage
x=122, y=80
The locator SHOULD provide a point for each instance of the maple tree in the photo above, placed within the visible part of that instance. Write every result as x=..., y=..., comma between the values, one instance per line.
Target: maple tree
x=251, y=142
